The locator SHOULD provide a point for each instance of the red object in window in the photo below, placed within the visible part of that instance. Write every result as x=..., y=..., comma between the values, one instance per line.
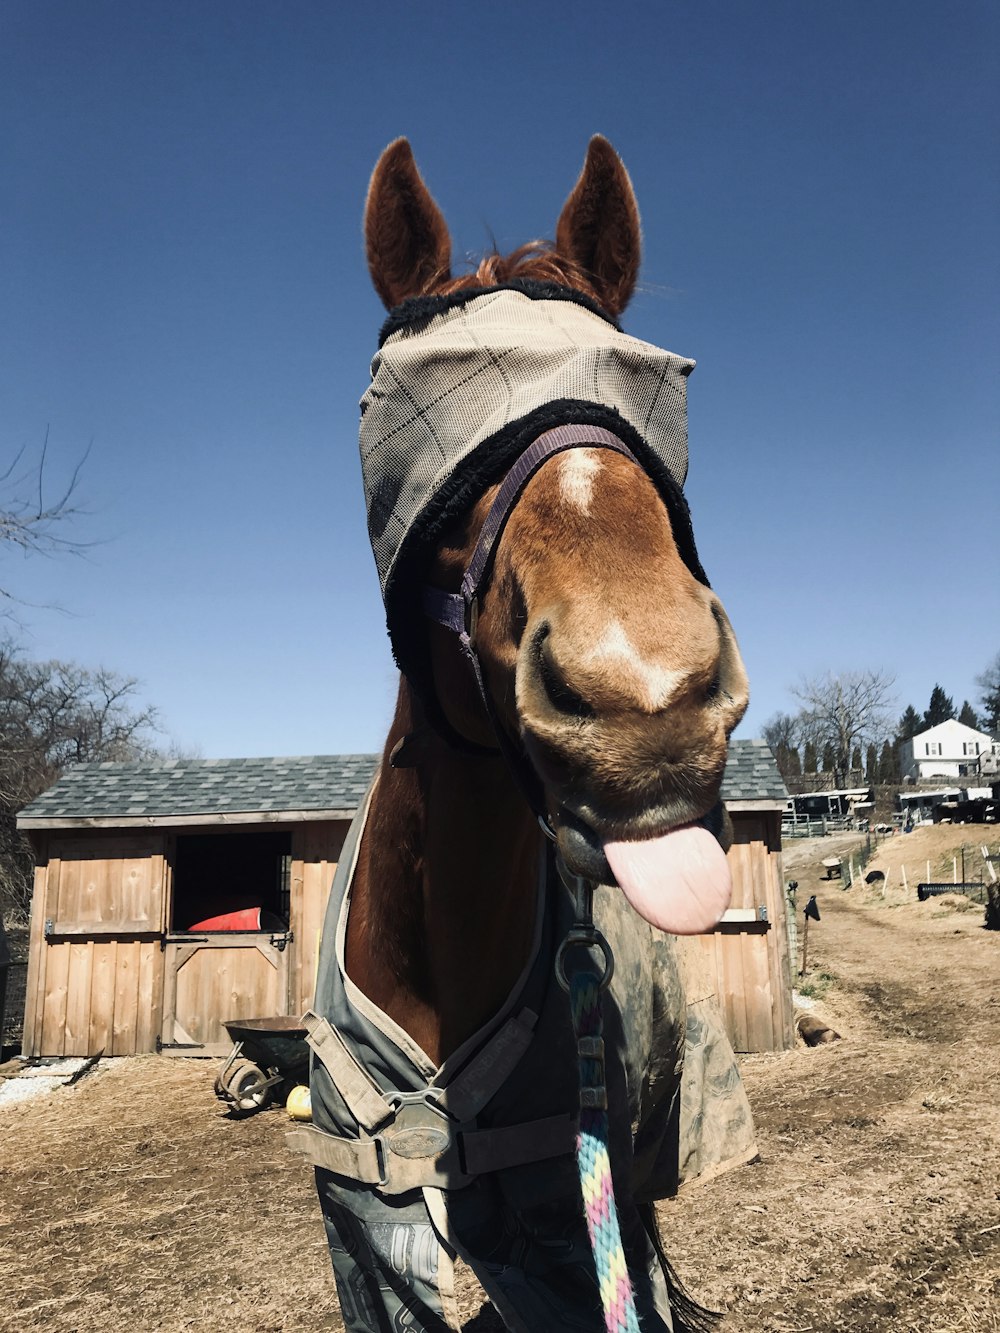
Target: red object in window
x=248, y=918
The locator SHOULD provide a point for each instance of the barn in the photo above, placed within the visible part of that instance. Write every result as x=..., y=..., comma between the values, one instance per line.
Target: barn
x=172, y=896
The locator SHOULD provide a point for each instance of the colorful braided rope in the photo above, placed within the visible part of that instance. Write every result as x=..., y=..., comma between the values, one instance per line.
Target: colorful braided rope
x=594, y=1162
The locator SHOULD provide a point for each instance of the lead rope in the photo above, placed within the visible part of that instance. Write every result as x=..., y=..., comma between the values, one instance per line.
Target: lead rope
x=585, y=988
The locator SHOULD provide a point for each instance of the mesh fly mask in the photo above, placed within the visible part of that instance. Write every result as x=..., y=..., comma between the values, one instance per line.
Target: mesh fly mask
x=462, y=386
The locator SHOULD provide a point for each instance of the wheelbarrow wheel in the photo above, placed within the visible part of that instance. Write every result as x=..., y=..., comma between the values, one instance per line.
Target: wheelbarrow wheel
x=247, y=1088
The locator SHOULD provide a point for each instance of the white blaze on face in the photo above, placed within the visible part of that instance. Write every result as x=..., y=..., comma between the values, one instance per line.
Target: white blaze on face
x=656, y=683
x=576, y=477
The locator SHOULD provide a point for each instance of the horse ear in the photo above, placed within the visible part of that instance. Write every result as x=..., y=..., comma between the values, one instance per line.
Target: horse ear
x=599, y=226
x=406, y=236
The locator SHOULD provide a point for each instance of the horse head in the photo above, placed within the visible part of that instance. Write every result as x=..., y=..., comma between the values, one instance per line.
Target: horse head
x=609, y=663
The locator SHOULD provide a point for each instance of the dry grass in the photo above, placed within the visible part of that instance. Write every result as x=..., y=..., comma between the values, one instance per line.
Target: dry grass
x=876, y=1205
x=939, y=846
x=132, y=1200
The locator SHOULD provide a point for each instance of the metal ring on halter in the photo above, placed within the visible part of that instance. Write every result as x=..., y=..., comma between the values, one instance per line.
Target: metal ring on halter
x=585, y=937
x=546, y=827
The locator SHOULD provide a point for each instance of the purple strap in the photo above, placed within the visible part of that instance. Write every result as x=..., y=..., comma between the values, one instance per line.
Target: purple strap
x=459, y=611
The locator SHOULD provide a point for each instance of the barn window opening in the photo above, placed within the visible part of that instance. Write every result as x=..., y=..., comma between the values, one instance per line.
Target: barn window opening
x=231, y=881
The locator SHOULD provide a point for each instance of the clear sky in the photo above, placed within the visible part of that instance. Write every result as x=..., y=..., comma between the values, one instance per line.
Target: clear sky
x=182, y=284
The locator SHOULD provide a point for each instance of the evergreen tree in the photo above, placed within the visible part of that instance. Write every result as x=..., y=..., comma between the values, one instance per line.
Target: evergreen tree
x=888, y=763
x=809, y=764
x=989, y=683
x=940, y=709
x=909, y=724
x=871, y=765
x=829, y=758
x=856, y=759
x=794, y=763
x=968, y=715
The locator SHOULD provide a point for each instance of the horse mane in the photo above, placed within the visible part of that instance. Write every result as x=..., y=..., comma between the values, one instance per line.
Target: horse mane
x=536, y=261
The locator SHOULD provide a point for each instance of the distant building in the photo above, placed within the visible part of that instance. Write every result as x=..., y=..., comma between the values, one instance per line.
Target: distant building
x=949, y=750
x=837, y=803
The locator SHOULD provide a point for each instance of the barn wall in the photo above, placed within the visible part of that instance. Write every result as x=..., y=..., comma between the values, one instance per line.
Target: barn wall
x=315, y=852
x=748, y=962
x=96, y=978
x=33, y=992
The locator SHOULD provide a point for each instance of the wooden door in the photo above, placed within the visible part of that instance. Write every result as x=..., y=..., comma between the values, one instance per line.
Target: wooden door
x=212, y=978
x=97, y=923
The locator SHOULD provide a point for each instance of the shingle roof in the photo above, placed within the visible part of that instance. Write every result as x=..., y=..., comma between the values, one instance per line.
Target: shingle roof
x=752, y=774
x=185, y=787
x=271, y=787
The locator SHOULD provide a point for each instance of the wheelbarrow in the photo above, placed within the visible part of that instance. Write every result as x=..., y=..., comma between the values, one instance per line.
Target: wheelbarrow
x=269, y=1057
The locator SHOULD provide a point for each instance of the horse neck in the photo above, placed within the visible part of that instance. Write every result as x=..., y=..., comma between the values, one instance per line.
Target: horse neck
x=443, y=901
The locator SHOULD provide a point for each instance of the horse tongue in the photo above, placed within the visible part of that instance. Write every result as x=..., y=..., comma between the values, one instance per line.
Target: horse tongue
x=679, y=882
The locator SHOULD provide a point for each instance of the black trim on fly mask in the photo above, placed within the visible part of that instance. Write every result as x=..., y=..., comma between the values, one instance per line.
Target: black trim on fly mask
x=418, y=310
x=459, y=611
x=486, y=465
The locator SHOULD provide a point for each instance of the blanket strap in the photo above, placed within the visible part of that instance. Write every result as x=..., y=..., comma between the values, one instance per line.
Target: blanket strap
x=428, y=1138
x=383, y=1163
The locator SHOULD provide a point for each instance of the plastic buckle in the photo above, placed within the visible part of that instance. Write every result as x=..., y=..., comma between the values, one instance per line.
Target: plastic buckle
x=421, y=1146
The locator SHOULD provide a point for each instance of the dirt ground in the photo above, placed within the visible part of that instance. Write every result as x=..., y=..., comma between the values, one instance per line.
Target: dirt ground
x=132, y=1201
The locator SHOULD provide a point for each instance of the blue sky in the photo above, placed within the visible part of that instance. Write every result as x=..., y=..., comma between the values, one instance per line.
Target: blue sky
x=183, y=285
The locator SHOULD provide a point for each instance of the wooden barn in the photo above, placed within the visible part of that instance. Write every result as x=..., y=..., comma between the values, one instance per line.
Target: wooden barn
x=137, y=862
x=130, y=856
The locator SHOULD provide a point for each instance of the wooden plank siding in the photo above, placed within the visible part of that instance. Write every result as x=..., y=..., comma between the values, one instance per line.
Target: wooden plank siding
x=316, y=850
x=106, y=885
x=211, y=980
x=748, y=959
x=95, y=973
x=109, y=974
x=34, y=996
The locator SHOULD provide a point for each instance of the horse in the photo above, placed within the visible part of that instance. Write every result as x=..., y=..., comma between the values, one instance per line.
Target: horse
x=563, y=718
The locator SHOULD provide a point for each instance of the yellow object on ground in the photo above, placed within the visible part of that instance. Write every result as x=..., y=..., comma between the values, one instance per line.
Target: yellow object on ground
x=299, y=1104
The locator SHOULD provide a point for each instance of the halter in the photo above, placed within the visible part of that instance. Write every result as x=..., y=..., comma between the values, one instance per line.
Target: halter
x=459, y=611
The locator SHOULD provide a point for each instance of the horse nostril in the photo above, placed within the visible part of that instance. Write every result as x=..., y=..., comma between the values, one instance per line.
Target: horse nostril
x=713, y=690
x=562, y=698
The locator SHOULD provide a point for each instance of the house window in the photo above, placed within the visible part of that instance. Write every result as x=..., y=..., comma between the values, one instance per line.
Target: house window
x=970, y=747
x=932, y=747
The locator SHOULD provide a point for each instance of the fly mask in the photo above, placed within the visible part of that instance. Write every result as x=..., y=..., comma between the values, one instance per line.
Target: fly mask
x=462, y=386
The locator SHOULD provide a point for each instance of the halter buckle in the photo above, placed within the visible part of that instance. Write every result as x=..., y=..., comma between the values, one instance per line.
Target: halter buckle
x=472, y=619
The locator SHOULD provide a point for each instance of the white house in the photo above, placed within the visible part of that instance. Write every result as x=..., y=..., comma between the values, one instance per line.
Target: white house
x=949, y=750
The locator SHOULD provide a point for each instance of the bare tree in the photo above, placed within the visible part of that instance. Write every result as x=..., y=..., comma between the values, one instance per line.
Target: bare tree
x=53, y=715
x=28, y=519
x=782, y=735
x=845, y=710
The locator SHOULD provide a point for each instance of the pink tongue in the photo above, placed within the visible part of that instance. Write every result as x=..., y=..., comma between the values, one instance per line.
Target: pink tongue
x=679, y=882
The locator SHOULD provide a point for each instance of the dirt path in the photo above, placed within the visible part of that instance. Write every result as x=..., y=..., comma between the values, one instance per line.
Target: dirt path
x=875, y=1208
x=133, y=1202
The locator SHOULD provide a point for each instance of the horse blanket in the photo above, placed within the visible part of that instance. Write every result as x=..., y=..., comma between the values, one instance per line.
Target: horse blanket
x=417, y=1163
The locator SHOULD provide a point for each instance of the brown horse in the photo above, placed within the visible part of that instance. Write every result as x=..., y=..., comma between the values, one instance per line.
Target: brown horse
x=612, y=676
